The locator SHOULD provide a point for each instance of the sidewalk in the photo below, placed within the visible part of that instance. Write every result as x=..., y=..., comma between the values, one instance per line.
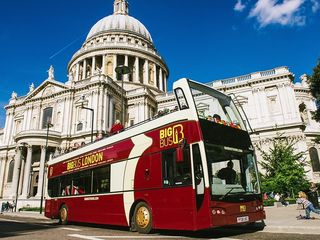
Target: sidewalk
x=27, y=214
x=283, y=220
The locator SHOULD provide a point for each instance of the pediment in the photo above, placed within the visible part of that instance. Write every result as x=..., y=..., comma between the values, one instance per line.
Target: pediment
x=47, y=89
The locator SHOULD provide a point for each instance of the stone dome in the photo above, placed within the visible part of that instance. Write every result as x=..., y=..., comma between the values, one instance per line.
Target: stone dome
x=120, y=21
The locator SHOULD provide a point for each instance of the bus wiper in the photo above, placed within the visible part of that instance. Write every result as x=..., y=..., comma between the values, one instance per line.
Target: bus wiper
x=221, y=198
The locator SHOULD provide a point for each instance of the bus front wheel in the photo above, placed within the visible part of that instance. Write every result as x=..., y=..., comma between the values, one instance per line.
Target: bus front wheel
x=142, y=218
x=63, y=215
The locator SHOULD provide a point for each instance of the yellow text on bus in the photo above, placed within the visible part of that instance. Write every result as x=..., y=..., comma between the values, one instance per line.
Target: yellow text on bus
x=171, y=135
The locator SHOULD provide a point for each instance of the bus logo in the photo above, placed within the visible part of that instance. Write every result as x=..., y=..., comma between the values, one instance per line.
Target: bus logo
x=171, y=135
x=243, y=208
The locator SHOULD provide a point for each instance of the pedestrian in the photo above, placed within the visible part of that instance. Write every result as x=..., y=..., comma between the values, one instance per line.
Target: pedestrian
x=308, y=206
x=313, y=195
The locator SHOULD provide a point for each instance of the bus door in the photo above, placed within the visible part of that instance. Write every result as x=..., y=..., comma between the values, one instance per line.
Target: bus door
x=175, y=206
x=201, y=199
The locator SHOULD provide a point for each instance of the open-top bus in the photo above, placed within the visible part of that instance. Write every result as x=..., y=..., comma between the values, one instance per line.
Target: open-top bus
x=163, y=173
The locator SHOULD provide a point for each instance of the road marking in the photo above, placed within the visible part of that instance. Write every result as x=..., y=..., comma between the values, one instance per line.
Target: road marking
x=122, y=237
x=71, y=229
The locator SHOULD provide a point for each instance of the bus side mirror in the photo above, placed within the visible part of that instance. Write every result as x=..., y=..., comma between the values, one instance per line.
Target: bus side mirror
x=179, y=154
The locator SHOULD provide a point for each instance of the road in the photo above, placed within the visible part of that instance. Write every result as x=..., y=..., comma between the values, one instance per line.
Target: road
x=33, y=229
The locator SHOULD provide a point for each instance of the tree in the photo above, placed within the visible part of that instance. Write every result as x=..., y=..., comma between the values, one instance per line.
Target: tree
x=314, y=81
x=284, y=167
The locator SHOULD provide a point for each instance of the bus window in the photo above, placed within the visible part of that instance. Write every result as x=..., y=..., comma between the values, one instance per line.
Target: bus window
x=176, y=173
x=66, y=185
x=53, y=187
x=101, y=180
x=81, y=183
x=183, y=104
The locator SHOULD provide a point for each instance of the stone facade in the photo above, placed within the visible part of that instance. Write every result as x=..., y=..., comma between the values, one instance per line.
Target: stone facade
x=54, y=117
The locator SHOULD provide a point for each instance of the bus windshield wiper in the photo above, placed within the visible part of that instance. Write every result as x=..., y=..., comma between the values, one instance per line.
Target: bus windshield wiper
x=227, y=193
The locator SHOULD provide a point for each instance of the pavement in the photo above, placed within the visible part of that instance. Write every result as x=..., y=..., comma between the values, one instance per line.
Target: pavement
x=279, y=220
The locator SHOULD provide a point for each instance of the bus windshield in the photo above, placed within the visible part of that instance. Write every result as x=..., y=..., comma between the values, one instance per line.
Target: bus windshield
x=232, y=171
x=215, y=106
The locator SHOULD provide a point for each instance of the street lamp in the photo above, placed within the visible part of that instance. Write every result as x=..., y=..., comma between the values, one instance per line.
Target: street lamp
x=92, y=117
x=49, y=125
x=121, y=70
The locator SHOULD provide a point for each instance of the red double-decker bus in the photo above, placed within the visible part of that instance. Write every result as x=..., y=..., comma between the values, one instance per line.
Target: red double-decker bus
x=185, y=169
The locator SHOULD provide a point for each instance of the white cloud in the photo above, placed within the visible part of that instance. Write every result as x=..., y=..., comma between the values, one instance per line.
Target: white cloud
x=288, y=12
x=315, y=5
x=239, y=6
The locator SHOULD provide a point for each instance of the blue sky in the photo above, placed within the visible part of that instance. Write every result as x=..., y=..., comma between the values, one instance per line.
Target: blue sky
x=203, y=40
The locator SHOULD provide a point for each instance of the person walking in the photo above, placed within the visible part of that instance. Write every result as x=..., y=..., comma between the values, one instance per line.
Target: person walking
x=313, y=195
x=308, y=206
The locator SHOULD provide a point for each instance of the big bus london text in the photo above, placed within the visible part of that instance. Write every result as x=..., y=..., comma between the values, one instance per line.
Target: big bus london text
x=165, y=173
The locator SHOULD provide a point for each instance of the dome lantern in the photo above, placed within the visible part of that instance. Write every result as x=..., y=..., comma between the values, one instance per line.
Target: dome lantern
x=120, y=7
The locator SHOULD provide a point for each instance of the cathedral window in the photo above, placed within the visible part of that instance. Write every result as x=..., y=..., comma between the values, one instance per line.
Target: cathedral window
x=10, y=172
x=314, y=159
x=79, y=126
x=47, y=117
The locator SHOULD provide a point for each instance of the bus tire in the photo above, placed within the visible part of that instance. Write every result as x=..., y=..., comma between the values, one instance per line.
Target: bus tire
x=142, y=218
x=63, y=215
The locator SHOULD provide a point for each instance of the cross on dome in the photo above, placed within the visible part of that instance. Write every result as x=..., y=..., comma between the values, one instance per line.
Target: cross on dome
x=121, y=7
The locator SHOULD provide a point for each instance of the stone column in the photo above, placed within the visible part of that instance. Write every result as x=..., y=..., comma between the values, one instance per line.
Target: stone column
x=155, y=75
x=164, y=82
x=111, y=111
x=136, y=78
x=114, y=67
x=84, y=69
x=93, y=67
x=26, y=183
x=126, y=76
x=16, y=172
x=77, y=72
x=146, y=72
x=103, y=67
x=160, y=80
x=41, y=171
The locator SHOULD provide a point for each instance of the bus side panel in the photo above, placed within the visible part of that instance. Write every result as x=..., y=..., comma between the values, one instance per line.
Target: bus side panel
x=103, y=209
x=203, y=214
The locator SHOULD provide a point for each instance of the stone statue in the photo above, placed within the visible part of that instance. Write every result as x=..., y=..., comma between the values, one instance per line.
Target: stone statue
x=14, y=95
x=31, y=87
x=51, y=72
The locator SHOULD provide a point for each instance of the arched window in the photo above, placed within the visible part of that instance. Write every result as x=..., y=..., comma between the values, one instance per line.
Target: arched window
x=314, y=159
x=79, y=126
x=47, y=117
x=10, y=172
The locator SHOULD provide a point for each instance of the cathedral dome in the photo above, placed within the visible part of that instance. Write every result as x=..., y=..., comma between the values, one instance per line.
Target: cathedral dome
x=120, y=21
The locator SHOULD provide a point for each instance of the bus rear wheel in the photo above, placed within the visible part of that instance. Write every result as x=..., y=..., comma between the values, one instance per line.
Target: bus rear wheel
x=142, y=218
x=63, y=215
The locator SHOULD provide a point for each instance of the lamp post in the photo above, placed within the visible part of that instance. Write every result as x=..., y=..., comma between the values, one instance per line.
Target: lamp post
x=49, y=125
x=92, y=118
x=121, y=70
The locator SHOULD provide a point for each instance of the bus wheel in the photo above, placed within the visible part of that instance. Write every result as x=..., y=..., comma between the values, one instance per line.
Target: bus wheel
x=63, y=215
x=142, y=218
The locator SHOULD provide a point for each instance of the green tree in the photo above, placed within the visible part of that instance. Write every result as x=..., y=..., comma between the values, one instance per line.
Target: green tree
x=314, y=81
x=283, y=167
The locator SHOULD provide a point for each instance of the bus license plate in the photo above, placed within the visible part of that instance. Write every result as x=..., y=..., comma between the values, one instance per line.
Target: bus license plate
x=242, y=219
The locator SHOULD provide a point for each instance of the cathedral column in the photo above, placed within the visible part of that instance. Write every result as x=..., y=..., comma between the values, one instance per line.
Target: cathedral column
x=93, y=68
x=160, y=80
x=155, y=75
x=164, y=82
x=146, y=72
x=126, y=76
x=136, y=79
x=84, y=69
x=41, y=171
x=77, y=72
x=16, y=172
x=103, y=68
x=111, y=111
x=114, y=67
x=27, y=169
